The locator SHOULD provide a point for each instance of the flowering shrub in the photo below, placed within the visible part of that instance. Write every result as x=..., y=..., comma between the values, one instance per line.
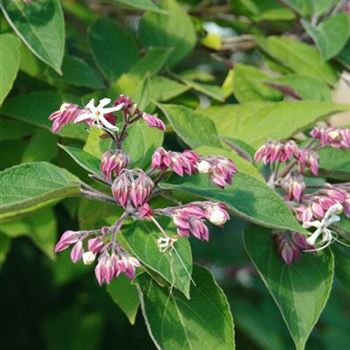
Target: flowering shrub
x=172, y=171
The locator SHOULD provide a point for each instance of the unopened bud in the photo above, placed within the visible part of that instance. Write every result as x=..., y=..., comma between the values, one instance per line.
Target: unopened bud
x=203, y=167
x=88, y=258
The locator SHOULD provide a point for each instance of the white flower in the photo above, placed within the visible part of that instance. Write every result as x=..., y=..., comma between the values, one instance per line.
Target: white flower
x=217, y=216
x=88, y=258
x=97, y=113
x=330, y=217
x=203, y=167
x=166, y=243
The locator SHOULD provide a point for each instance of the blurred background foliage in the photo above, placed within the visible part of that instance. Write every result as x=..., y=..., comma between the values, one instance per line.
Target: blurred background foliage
x=194, y=53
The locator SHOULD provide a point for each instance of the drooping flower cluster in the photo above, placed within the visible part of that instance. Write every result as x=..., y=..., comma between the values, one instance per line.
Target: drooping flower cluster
x=315, y=209
x=133, y=188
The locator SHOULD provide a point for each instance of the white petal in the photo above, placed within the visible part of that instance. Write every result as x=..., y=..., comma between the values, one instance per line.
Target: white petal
x=103, y=102
x=113, y=109
x=82, y=117
x=91, y=105
x=107, y=124
x=312, y=239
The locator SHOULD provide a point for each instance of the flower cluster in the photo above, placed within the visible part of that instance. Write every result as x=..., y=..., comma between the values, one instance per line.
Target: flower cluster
x=132, y=189
x=316, y=209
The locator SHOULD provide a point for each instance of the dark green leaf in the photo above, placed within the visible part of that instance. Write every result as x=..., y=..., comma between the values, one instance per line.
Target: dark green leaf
x=124, y=294
x=176, y=268
x=173, y=30
x=163, y=89
x=14, y=130
x=300, y=290
x=342, y=264
x=86, y=160
x=9, y=48
x=140, y=5
x=78, y=73
x=40, y=25
x=28, y=187
x=247, y=198
x=177, y=323
x=5, y=244
x=114, y=50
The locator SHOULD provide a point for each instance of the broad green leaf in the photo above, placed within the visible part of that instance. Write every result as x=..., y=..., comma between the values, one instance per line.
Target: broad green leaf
x=194, y=128
x=78, y=73
x=40, y=25
x=30, y=64
x=43, y=230
x=331, y=35
x=31, y=186
x=300, y=290
x=124, y=294
x=41, y=147
x=299, y=57
x=344, y=56
x=140, y=5
x=248, y=198
x=13, y=130
x=86, y=160
x=310, y=7
x=335, y=163
x=172, y=30
x=204, y=321
x=5, y=244
x=35, y=108
x=40, y=227
x=140, y=239
x=141, y=142
x=95, y=144
x=114, y=50
x=342, y=266
x=242, y=165
x=257, y=122
x=9, y=57
x=163, y=89
x=212, y=91
x=249, y=84
x=306, y=88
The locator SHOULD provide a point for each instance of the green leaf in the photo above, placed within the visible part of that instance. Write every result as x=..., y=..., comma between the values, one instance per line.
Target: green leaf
x=31, y=186
x=335, y=163
x=40, y=26
x=124, y=294
x=5, y=245
x=249, y=84
x=114, y=50
x=86, y=160
x=177, y=323
x=242, y=165
x=342, y=266
x=299, y=57
x=140, y=239
x=35, y=108
x=10, y=57
x=212, y=91
x=40, y=227
x=305, y=87
x=140, y=5
x=77, y=72
x=300, y=290
x=248, y=198
x=164, y=89
x=148, y=140
x=257, y=122
x=331, y=35
x=14, y=130
x=173, y=30
x=42, y=146
x=194, y=128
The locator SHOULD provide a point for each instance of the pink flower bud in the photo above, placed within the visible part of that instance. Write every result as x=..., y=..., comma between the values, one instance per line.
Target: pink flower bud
x=67, y=239
x=333, y=137
x=153, y=121
x=113, y=162
x=307, y=159
x=65, y=115
x=132, y=187
x=77, y=251
x=181, y=163
x=290, y=245
x=95, y=244
x=294, y=187
x=274, y=151
x=220, y=169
